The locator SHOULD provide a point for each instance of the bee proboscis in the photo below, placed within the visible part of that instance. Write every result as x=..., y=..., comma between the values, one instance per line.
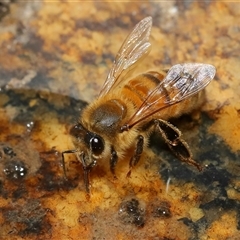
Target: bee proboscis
x=128, y=110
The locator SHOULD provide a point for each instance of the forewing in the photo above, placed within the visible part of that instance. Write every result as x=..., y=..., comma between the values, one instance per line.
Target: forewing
x=181, y=82
x=135, y=46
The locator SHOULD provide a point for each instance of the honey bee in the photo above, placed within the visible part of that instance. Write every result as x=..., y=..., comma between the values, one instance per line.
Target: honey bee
x=127, y=111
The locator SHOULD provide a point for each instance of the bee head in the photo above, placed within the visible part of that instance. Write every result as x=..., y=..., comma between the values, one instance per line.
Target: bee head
x=89, y=144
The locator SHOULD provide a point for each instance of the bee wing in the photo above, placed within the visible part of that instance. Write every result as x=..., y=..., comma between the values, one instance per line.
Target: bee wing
x=181, y=82
x=135, y=46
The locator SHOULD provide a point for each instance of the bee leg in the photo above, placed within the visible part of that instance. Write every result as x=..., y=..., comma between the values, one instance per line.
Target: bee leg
x=113, y=161
x=137, y=154
x=178, y=146
x=170, y=133
x=63, y=161
x=86, y=171
x=183, y=153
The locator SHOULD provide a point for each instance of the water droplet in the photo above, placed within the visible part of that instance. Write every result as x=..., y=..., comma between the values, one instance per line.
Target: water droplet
x=30, y=126
x=131, y=212
x=9, y=151
x=162, y=210
x=15, y=169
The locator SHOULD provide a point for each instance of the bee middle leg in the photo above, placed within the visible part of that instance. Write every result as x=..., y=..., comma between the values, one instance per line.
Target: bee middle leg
x=178, y=146
x=113, y=161
x=137, y=154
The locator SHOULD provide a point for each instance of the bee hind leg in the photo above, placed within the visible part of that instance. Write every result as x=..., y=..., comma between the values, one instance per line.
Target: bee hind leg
x=178, y=146
x=137, y=154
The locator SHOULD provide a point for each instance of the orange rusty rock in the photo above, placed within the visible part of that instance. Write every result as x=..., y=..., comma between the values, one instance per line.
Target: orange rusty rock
x=58, y=51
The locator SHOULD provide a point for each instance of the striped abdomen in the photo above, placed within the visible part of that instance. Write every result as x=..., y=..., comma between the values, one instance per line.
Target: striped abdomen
x=138, y=89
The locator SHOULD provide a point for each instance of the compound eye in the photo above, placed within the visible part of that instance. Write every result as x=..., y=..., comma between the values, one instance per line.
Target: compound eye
x=96, y=144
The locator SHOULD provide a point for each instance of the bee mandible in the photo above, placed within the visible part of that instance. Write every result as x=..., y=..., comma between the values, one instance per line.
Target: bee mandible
x=120, y=120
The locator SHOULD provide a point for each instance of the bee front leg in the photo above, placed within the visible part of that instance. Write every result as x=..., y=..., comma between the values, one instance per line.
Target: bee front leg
x=86, y=171
x=63, y=161
x=178, y=146
x=137, y=154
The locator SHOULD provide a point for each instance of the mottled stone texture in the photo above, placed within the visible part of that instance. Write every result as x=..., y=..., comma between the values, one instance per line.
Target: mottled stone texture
x=54, y=57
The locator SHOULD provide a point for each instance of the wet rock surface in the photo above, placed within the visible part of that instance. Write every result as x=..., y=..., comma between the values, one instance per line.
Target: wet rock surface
x=54, y=59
